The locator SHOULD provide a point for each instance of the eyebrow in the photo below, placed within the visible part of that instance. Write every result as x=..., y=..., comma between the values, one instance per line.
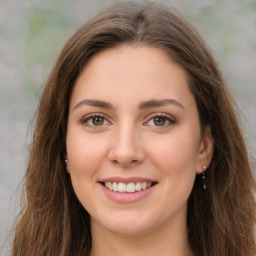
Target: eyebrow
x=143, y=105
x=159, y=103
x=95, y=103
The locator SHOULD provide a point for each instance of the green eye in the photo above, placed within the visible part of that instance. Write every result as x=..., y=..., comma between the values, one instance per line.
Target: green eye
x=159, y=121
x=97, y=121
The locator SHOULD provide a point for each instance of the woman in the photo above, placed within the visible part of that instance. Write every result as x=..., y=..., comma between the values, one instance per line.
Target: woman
x=137, y=149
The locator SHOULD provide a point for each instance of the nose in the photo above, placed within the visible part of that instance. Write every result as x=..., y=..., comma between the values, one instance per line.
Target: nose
x=126, y=148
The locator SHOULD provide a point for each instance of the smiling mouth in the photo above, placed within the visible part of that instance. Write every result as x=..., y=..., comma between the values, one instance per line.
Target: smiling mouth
x=131, y=187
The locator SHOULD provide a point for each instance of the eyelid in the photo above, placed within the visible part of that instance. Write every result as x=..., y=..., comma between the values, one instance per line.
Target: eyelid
x=91, y=115
x=87, y=117
x=168, y=117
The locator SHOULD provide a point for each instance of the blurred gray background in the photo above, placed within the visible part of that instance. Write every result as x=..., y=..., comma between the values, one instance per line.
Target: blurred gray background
x=32, y=34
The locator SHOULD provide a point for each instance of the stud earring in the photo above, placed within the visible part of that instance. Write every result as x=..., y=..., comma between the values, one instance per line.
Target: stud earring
x=67, y=167
x=203, y=176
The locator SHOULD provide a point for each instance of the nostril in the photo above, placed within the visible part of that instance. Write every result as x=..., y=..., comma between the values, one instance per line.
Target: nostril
x=124, y=162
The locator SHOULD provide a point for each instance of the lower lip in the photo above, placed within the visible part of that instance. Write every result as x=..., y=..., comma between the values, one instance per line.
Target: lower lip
x=127, y=197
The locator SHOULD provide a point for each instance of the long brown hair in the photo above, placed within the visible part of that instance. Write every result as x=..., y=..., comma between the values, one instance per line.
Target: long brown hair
x=220, y=219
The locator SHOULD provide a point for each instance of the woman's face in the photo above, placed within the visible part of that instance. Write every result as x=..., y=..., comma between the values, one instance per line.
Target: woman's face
x=133, y=140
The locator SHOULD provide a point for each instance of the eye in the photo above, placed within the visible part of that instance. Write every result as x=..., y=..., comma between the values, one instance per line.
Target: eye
x=95, y=120
x=160, y=120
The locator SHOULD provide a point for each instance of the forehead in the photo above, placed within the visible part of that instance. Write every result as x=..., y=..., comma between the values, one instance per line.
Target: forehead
x=131, y=73
x=126, y=58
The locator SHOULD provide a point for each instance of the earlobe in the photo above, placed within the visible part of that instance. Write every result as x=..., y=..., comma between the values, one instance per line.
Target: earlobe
x=206, y=150
x=67, y=164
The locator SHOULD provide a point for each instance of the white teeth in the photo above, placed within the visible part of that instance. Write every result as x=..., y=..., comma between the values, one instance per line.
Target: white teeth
x=144, y=185
x=138, y=186
x=114, y=186
x=121, y=187
x=110, y=185
x=128, y=188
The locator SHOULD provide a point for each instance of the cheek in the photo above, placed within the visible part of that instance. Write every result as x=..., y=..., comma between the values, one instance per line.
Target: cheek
x=176, y=158
x=85, y=153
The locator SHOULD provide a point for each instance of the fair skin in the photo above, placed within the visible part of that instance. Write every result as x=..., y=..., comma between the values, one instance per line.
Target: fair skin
x=133, y=120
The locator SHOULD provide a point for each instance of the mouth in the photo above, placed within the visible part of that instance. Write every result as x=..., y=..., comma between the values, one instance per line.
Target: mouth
x=130, y=187
x=127, y=190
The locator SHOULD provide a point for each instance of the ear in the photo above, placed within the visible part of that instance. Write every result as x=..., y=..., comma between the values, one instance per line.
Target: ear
x=67, y=164
x=206, y=149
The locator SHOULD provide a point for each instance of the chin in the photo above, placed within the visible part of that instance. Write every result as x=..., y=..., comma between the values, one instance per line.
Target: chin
x=128, y=229
x=126, y=224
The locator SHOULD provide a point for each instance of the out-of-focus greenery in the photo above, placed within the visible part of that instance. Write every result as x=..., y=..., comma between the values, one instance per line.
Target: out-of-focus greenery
x=32, y=33
x=48, y=28
x=229, y=27
x=222, y=24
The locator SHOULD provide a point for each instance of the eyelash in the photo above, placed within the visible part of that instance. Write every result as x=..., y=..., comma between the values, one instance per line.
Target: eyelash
x=166, y=117
x=87, y=118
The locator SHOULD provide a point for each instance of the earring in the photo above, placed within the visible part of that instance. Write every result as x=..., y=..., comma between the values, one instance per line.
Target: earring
x=67, y=167
x=203, y=176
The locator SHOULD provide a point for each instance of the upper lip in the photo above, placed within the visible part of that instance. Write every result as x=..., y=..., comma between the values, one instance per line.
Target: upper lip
x=127, y=180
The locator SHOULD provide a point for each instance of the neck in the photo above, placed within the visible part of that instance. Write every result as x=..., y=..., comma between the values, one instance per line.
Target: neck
x=164, y=242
